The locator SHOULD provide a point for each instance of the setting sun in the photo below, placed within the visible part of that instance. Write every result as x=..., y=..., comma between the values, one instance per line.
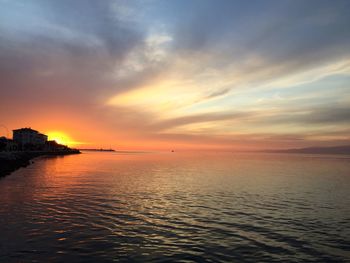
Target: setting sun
x=60, y=137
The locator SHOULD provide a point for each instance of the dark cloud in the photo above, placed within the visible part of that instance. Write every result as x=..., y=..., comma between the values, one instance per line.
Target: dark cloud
x=62, y=50
x=218, y=93
x=290, y=36
x=200, y=118
x=301, y=117
x=138, y=121
x=327, y=115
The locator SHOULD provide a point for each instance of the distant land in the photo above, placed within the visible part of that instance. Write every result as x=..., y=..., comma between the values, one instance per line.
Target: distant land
x=98, y=150
x=316, y=150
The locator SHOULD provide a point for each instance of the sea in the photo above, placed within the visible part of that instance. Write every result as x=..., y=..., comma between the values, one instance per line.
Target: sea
x=177, y=207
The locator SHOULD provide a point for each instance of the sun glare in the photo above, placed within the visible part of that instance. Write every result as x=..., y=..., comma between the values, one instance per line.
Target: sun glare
x=59, y=137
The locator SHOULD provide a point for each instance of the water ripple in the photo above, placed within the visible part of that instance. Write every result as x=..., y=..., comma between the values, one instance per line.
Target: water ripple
x=132, y=208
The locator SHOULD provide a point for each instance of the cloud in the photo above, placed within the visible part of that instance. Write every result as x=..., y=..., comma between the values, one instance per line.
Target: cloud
x=200, y=118
x=62, y=49
x=218, y=93
x=284, y=38
x=325, y=115
x=179, y=69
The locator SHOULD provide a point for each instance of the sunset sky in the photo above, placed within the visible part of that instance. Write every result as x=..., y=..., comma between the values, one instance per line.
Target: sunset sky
x=179, y=74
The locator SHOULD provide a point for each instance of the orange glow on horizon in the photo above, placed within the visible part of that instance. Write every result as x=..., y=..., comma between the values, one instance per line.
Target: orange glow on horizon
x=60, y=137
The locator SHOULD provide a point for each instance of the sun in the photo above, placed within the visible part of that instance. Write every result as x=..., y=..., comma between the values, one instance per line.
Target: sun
x=59, y=137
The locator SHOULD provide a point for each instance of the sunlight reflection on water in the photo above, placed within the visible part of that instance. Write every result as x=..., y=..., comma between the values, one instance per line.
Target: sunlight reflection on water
x=100, y=207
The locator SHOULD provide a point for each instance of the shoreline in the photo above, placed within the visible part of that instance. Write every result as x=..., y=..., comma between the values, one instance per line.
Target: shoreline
x=12, y=161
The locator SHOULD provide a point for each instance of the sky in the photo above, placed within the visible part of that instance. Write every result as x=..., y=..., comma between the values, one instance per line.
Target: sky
x=181, y=74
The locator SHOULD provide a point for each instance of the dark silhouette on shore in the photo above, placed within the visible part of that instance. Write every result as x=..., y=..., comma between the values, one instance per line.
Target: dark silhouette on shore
x=25, y=145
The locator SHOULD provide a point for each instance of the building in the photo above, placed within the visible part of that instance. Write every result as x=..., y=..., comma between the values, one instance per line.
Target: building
x=8, y=145
x=3, y=144
x=54, y=146
x=29, y=138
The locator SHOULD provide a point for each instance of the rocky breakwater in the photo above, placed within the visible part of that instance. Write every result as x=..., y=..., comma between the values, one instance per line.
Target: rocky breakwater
x=11, y=161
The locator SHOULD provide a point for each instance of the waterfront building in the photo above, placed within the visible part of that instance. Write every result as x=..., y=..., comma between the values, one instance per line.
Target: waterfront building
x=27, y=137
x=54, y=146
x=8, y=145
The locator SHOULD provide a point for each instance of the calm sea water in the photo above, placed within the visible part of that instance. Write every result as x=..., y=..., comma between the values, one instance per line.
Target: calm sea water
x=182, y=207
